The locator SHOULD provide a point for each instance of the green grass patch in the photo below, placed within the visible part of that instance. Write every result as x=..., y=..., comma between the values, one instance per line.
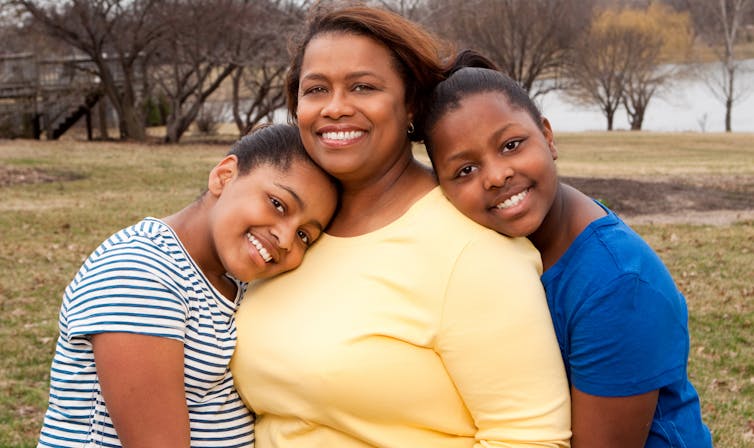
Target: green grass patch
x=48, y=229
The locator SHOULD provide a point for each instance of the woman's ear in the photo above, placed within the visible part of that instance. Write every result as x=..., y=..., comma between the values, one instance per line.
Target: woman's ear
x=550, y=138
x=225, y=171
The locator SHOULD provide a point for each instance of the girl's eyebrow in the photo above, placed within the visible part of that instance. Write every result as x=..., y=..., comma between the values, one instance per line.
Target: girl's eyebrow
x=293, y=193
x=301, y=204
x=495, y=135
x=463, y=154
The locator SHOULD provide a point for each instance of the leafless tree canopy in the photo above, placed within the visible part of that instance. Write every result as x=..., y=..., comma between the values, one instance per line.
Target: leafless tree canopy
x=182, y=50
x=186, y=52
x=117, y=36
x=720, y=23
x=528, y=39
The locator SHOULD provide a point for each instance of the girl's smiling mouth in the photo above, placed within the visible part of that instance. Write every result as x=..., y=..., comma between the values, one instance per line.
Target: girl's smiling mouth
x=263, y=252
x=513, y=200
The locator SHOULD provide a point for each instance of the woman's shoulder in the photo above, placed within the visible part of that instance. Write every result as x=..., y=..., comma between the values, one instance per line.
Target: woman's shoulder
x=443, y=223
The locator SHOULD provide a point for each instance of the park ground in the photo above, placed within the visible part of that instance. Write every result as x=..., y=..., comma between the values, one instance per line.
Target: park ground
x=690, y=195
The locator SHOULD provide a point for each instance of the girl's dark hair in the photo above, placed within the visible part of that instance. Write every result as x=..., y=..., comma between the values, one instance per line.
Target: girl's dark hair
x=416, y=53
x=472, y=73
x=277, y=145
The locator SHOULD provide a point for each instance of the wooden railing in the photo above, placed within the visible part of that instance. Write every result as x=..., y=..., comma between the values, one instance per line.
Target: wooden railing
x=52, y=91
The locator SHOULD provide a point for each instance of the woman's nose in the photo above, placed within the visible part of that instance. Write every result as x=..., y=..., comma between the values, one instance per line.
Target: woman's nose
x=337, y=106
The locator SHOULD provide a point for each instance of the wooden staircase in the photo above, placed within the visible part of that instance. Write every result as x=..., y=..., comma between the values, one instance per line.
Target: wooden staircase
x=53, y=94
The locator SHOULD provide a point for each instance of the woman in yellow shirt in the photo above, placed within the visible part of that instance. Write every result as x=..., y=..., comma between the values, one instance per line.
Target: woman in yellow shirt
x=409, y=325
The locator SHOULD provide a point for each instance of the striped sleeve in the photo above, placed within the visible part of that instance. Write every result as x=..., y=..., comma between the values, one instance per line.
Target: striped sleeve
x=134, y=288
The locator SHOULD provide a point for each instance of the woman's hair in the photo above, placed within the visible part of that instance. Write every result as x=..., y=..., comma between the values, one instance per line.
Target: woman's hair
x=277, y=145
x=416, y=53
x=471, y=74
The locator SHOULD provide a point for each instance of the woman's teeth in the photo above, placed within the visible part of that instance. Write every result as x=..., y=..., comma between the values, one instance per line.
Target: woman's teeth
x=348, y=135
x=513, y=200
x=262, y=251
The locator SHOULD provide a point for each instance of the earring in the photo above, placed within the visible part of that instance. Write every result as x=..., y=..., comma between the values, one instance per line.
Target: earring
x=411, y=127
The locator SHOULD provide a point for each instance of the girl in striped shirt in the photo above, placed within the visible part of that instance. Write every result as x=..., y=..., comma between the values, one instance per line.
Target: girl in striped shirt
x=147, y=327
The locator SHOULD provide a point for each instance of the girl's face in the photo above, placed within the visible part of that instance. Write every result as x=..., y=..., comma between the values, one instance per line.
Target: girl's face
x=352, y=109
x=264, y=221
x=495, y=164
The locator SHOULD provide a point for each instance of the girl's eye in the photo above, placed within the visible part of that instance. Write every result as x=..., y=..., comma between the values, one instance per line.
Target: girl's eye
x=466, y=170
x=511, y=145
x=279, y=206
x=304, y=237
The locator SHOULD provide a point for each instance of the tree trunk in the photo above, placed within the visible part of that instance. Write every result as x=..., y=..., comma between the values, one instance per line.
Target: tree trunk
x=728, y=113
x=609, y=116
x=176, y=128
x=236, y=77
x=102, y=118
x=637, y=119
x=133, y=125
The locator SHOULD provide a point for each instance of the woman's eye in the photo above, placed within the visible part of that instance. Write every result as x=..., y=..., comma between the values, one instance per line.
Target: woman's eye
x=466, y=170
x=314, y=89
x=362, y=87
x=279, y=206
x=510, y=146
x=304, y=237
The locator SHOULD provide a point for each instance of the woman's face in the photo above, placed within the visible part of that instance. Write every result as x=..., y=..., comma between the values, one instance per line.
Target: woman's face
x=351, y=107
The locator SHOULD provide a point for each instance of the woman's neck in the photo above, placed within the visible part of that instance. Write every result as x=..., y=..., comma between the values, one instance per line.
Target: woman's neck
x=368, y=206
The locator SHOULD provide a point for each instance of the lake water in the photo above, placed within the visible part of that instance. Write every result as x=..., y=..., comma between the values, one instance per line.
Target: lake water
x=685, y=105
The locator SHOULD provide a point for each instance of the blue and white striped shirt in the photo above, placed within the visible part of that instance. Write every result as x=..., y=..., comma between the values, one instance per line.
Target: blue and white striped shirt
x=142, y=280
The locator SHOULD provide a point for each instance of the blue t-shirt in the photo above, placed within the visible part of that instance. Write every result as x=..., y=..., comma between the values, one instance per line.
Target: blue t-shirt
x=622, y=326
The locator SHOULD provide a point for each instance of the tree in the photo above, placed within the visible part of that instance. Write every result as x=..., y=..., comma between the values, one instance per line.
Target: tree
x=411, y=9
x=617, y=62
x=118, y=36
x=258, y=83
x=195, y=55
x=667, y=36
x=528, y=39
x=719, y=23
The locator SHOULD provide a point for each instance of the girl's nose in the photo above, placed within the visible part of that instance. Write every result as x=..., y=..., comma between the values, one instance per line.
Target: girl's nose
x=284, y=235
x=496, y=176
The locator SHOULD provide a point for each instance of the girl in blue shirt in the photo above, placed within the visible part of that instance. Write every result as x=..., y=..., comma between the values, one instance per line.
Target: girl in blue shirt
x=620, y=320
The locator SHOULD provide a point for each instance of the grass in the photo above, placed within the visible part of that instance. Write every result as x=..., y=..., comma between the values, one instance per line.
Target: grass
x=47, y=229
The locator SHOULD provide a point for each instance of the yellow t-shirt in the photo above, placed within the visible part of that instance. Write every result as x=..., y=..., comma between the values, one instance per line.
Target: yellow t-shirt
x=430, y=332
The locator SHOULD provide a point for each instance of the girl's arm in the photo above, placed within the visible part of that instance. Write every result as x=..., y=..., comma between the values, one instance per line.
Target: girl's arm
x=143, y=386
x=617, y=422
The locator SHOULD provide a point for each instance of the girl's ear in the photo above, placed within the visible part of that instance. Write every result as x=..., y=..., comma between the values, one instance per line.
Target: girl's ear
x=550, y=138
x=225, y=171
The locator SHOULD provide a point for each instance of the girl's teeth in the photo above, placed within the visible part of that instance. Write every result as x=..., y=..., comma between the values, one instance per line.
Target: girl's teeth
x=348, y=135
x=262, y=251
x=513, y=200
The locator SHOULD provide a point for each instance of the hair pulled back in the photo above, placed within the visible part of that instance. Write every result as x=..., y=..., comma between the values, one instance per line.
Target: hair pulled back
x=471, y=73
x=417, y=54
x=277, y=145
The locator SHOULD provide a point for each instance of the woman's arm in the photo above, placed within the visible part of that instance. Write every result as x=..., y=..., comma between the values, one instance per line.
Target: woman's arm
x=499, y=347
x=142, y=383
x=617, y=422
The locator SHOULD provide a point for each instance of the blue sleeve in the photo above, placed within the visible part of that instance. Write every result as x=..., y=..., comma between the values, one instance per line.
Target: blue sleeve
x=628, y=338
